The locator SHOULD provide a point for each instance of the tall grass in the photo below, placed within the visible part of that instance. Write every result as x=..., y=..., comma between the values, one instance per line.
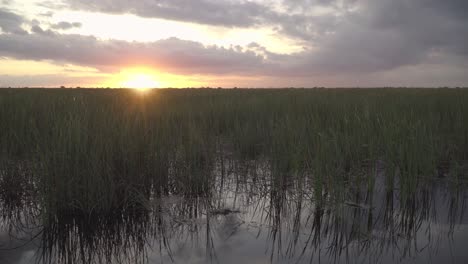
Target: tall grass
x=98, y=151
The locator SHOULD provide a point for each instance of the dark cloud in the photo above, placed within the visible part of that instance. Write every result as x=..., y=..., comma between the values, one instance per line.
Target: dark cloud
x=214, y=12
x=10, y=22
x=38, y=30
x=63, y=25
x=384, y=35
x=290, y=17
x=172, y=54
x=375, y=35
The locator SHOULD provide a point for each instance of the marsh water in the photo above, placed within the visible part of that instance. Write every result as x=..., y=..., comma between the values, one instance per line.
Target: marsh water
x=248, y=215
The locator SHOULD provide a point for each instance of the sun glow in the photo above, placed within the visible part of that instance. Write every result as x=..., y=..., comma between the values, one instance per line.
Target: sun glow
x=140, y=81
x=144, y=78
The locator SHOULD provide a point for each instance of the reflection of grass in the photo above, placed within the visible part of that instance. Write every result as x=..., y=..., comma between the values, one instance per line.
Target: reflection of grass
x=282, y=210
x=97, y=151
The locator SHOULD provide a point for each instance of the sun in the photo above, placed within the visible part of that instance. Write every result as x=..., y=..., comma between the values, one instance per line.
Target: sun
x=143, y=78
x=140, y=81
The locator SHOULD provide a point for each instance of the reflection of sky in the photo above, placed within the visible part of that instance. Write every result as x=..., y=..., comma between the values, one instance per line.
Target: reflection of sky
x=245, y=247
x=246, y=237
x=22, y=255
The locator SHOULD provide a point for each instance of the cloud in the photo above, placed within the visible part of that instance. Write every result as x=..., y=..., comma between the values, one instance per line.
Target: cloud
x=173, y=55
x=296, y=18
x=49, y=80
x=63, y=25
x=343, y=38
x=213, y=12
x=341, y=28
x=6, y=2
x=11, y=22
x=47, y=14
x=384, y=35
x=376, y=36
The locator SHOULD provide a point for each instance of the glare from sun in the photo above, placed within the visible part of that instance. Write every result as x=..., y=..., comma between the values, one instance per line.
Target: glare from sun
x=140, y=81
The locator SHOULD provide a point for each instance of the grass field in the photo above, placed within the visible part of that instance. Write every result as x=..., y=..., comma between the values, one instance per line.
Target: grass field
x=94, y=167
x=104, y=150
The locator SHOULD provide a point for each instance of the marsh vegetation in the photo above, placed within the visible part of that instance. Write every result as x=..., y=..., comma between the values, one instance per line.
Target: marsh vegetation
x=214, y=175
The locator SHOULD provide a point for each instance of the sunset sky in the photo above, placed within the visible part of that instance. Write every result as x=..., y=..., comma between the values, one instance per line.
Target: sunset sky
x=256, y=43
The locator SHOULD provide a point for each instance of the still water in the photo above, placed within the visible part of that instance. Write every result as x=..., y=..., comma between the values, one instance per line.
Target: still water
x=250, y=216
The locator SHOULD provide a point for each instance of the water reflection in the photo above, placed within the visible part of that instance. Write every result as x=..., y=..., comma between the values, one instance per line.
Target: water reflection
x=250, y=214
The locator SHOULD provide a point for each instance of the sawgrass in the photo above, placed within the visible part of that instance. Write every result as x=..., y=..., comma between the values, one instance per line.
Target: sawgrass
x=106, y=150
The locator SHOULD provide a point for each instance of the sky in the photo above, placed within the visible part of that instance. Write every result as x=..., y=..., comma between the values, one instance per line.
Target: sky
x=233, y=43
